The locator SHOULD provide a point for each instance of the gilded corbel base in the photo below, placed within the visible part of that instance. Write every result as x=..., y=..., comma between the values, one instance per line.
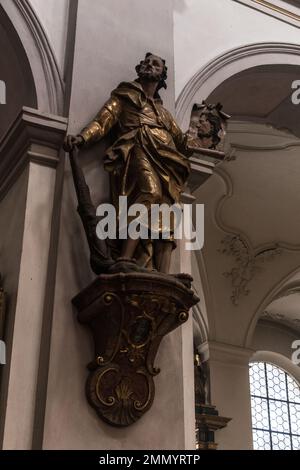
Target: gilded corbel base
x=128, y=315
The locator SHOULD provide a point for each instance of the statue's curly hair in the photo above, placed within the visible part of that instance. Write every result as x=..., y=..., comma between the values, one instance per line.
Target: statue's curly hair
x=162, y=83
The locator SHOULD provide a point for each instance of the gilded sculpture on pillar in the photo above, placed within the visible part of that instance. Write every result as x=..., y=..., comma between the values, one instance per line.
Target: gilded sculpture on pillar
x=148, y=161
x=134, y=302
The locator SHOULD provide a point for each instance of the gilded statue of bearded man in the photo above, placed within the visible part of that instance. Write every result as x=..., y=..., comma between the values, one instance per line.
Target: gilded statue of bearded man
x=148, y=160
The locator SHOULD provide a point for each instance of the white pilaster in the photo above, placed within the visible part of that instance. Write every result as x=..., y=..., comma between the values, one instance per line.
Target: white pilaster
x=30, y=148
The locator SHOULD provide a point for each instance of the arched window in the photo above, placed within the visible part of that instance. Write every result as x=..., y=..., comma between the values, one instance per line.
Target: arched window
x=275, y=408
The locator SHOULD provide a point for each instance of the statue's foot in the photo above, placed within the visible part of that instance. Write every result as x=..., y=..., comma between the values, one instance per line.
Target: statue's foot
x=129, y=265
x=126, y=265
x=100, y=266
x=184, y=278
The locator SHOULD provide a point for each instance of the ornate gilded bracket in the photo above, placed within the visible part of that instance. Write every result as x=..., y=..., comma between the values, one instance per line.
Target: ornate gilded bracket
x=128, y=315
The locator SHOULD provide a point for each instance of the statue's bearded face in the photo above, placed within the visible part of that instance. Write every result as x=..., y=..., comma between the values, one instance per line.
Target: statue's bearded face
x=204, y=126
x=151, y=68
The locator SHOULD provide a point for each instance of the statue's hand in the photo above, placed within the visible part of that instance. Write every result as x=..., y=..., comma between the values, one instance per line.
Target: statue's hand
x=72, y=141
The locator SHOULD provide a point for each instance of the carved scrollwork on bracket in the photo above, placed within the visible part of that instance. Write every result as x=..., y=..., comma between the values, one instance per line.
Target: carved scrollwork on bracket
x=247, y=263
x=128, y=321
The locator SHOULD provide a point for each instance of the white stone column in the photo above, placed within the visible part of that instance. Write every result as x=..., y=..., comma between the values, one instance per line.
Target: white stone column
x=230, y=392
x=181, y=263
x=29, y=154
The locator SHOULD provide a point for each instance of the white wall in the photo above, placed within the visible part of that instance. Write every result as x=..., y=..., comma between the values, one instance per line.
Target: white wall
x=53, y=15
x=271, y=336
x=27, y=329
x=111, y=38
x=205, y=29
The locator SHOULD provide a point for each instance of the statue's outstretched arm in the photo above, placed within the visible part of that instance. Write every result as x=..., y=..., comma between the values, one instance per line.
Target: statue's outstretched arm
x=180, y=138
x=106, y=118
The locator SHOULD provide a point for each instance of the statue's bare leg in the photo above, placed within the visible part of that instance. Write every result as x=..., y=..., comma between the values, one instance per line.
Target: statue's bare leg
x=128, y=248
x=163, y=251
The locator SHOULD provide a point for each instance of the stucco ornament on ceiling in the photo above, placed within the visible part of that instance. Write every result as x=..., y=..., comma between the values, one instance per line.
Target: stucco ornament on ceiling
x=247, y=263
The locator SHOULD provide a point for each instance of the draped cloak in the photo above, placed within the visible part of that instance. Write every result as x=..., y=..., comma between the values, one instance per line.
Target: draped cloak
x=146, y=162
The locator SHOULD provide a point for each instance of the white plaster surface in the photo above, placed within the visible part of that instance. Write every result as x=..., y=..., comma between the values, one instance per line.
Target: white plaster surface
x=205, y=29
x=29, y=308
x=265, y=216
x=111, y=38
x=230, y=393
x=53, y=15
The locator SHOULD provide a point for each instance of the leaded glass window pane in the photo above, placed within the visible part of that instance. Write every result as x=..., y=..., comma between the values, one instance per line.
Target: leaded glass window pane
x=275, y=408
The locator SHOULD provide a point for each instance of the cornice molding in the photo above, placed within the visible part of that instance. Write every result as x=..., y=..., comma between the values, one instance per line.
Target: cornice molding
x=32, y=137
x=271, y=9
x=226, y=353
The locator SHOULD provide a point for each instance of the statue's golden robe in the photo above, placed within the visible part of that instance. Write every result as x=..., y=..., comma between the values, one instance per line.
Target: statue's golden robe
x=146, y=162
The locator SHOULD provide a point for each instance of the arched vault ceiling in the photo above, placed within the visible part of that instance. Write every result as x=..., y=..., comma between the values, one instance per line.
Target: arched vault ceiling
x=252, y=225
x=257, y=91
x=262, y=197
x=262, y=94
x=252, y=219
x=285, y=310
